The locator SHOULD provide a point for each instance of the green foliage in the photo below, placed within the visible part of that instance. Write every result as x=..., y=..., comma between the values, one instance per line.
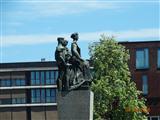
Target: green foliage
x=116, y=95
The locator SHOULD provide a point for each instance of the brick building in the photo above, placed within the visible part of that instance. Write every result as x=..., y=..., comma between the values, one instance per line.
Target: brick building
x=144, y=66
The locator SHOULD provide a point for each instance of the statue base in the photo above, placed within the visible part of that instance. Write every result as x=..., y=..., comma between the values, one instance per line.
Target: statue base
x=75, y=105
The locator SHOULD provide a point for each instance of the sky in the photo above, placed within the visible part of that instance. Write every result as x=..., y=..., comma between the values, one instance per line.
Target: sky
x=29, y=28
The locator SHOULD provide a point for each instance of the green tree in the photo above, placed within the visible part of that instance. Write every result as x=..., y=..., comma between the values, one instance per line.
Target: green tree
x=115, y=94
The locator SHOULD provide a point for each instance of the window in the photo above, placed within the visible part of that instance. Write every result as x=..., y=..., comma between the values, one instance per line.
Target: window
x=50, y=95
x=43, y=95
x=18, y=82
x=35, y=94
x=42, y=78
x=18, y=100
x=48, y=78
x=158, y=58
x=5, y=83
x=32, y=75
x=8, y=82
x=153, y=118
x=51, y=77
x=23, y=82
x=5, y=101
x=142, y=59
x=35, y=78
x=145, y=84
x=56, y=76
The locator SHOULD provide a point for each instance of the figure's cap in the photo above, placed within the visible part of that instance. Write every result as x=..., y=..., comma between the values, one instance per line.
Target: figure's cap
x=60, y=39
x=74, y=34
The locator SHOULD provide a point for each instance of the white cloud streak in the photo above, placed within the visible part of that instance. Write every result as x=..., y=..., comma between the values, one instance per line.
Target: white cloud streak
x=49, y=9
x=88, y=37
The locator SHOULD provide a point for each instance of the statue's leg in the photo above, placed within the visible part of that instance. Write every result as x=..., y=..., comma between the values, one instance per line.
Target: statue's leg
x=61, y=81
x=67, y=78
x=59, y=84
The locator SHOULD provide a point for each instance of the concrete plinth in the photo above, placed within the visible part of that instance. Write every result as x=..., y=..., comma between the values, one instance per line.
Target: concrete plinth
x=75, y=105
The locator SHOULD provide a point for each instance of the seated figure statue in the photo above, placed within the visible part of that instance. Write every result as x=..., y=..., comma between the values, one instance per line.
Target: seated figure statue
x=80, y=66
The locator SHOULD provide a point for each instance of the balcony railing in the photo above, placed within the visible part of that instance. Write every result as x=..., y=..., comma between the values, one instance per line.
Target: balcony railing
x=28, y=87
x=11, y=101
x=28, y=105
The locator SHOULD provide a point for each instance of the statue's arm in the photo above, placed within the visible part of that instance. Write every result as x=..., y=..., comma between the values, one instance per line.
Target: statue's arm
x=60, y=55
x=61, y=58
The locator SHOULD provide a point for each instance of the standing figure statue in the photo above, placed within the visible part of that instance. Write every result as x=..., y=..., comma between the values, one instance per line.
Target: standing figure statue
x=62, y=56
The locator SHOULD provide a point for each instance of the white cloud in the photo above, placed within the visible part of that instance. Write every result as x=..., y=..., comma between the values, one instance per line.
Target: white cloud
x=34, y=9
x=141, y=34
x=19, y=13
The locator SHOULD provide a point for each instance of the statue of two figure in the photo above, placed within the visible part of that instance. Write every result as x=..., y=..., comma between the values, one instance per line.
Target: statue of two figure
x=74, y=72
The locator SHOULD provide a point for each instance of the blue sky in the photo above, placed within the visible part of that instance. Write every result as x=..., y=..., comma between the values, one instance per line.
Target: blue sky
x=29, y=28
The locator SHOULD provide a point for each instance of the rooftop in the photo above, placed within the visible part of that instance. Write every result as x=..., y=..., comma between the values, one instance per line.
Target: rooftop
x=151, y=41
x=27, y=64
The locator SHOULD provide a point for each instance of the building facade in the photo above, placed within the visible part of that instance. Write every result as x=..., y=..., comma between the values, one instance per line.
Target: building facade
x=144, y=66
x=28, y=91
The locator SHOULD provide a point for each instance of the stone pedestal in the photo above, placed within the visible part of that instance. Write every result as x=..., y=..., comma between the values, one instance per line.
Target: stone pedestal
x=75, y=105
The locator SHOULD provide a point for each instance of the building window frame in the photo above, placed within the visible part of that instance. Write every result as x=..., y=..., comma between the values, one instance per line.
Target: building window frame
x=18, y=100
x=35, y=78
x=47, y=77
x=42, y=77
x=152, y=117
x=145, y=84
x=5, y=83
x=5, y=101
x=51, y=77
x=50, y=95
x=43, y=95
x=18, y=82
x=142, y=58
x=35, y=96
x=158, y=58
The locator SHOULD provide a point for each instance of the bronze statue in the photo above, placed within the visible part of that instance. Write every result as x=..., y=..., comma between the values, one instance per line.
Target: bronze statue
x=80, y=65
x=62, y=56
x=74, y=72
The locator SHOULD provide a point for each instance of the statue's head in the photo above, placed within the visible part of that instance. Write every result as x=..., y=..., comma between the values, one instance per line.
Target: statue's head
x=74, y=36
x=60, y=40
x=64, y=43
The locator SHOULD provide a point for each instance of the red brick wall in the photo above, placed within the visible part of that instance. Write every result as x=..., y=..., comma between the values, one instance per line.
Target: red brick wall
x=153, y=97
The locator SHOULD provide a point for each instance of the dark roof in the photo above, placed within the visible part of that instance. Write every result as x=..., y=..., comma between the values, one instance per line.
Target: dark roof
x=124, y=42
x=28, y=64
